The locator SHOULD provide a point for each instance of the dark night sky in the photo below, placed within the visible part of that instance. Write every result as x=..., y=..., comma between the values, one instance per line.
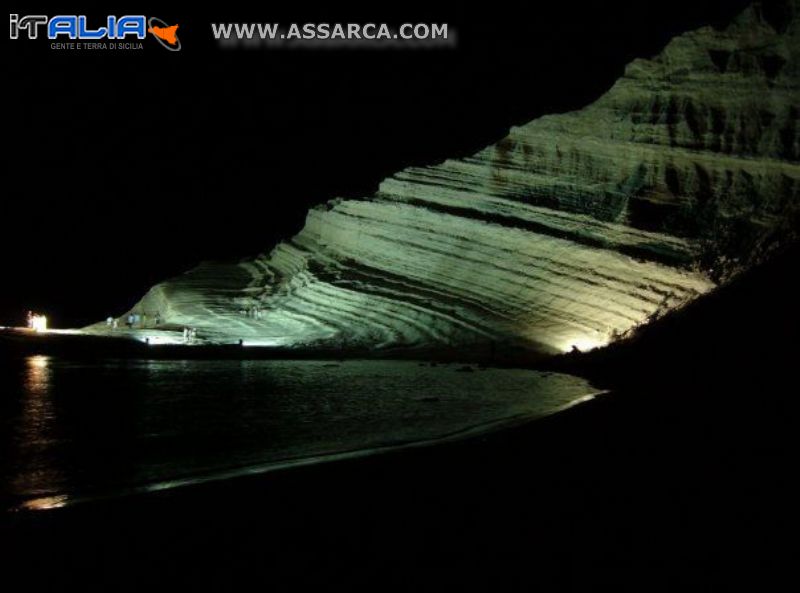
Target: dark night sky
x=129, y=168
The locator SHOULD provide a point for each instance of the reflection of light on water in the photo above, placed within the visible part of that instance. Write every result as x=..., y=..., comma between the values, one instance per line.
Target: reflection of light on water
x=35, y=429
x=38, y=361
x=46, y=503
x=584, y=398
x=37, y=377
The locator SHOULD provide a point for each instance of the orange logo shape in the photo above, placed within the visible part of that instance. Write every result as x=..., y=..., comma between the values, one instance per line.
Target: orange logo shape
x=168, y=34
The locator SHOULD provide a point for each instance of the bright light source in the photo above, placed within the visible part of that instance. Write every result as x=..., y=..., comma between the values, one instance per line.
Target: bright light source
x=159, y=339
x=264, y=342
x=38, y=323
x=38, y=361
x=584, y=343
x=45, y=504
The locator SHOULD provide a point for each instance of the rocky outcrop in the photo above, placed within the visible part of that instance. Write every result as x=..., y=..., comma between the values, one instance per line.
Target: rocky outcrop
x=569, y=231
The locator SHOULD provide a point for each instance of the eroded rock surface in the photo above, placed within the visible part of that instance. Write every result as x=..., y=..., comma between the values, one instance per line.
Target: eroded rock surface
x=569, y=231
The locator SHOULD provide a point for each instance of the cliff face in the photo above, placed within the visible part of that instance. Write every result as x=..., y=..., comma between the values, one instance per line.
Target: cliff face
x=570, y=231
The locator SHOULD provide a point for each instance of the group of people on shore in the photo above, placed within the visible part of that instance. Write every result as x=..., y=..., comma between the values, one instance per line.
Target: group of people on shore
x=254, y=312
x=139, y=321
x=189, y=335
x=133, y=320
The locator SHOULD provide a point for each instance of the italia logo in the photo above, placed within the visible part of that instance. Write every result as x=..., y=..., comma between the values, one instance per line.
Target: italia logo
x=77, y=28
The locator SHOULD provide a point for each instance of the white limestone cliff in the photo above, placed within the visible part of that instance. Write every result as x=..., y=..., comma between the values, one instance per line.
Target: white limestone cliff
x=571, y=230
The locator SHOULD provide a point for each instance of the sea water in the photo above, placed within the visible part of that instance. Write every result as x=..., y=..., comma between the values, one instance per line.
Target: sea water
x=78, y=430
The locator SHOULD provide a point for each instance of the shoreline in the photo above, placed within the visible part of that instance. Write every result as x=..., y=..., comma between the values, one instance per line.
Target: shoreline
x=57, y=501
x=635, y=468
x=22, y=342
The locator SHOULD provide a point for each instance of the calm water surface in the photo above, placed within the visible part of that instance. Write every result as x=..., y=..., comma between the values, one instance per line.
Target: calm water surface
x=76, y=430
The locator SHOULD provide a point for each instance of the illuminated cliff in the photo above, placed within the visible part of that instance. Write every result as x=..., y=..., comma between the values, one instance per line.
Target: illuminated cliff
x=569, y=231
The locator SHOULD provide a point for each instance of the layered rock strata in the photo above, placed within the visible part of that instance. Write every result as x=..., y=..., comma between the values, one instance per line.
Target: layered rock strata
x=569, y=231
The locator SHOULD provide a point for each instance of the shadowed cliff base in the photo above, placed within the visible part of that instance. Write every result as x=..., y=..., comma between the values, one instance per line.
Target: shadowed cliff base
x=740, y=332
